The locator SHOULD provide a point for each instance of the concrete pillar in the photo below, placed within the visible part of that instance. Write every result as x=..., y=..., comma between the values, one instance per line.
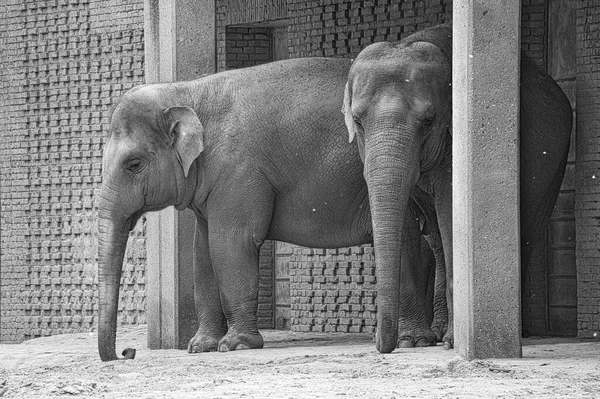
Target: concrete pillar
x=487, y=295
x=179, y=45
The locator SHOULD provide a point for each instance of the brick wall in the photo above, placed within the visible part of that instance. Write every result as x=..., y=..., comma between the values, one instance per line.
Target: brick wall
x=587, y=175
x=63, y=63
x=233, y=13
x=533, y=29
x=245, y=47
x=343, y=28
x=265, y=285
x=333, y=290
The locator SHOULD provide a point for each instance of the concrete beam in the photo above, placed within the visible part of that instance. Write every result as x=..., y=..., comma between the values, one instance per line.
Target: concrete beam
x=179, y=45
x=487, y=294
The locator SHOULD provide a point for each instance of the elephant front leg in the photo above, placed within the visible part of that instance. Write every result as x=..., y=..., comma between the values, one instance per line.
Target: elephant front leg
x=235, y=258
x=414, y=319
x=212, y=325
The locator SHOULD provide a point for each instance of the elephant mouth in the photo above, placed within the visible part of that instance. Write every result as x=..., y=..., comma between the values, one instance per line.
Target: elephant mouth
x=132, y=220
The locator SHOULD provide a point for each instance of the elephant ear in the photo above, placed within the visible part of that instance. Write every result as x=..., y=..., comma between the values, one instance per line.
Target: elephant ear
x=186, y=135
x=347, y=111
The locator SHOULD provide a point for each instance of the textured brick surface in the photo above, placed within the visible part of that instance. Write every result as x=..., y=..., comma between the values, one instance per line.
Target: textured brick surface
x=343, y=28
x=533, y=30
x=333, y=290
x=245, y=47
x=587, y=176
x=63, y=63
x=265, y=285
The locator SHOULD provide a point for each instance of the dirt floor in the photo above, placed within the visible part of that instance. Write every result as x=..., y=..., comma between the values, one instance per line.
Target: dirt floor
x=295, y=365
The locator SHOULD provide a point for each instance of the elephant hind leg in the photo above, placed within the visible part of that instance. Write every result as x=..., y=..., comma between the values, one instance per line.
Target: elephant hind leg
x=439, y=324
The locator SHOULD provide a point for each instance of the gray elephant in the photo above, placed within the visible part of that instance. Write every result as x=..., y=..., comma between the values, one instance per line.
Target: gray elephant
x=258, y=153
x=398, y=106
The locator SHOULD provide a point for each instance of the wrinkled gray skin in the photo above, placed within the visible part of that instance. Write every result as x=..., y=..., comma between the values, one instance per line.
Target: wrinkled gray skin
x=398, y=107
x=259, y=153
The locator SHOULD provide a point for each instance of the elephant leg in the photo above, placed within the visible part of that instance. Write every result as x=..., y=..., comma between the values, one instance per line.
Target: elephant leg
x=433, y=261
x=428, y=272
x=235, y=237
x=413, y=323
x=443, y=205
x=439, y=324
x=212, y=325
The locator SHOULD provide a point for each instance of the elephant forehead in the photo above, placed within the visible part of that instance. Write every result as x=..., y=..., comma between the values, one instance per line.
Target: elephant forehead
x=135, y=124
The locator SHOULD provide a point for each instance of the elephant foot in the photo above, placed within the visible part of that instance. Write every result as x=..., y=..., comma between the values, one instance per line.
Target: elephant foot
x=417, y=339
x=439, y=331
x=238, y=341
x=448, y=341
x=203, y=342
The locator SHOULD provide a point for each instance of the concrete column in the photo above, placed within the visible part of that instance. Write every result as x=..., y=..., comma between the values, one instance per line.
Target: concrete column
x=179, y=45
x=487, y=295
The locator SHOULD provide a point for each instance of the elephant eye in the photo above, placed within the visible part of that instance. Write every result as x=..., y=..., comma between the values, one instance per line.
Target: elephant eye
x=428, y=122
x=357, y=121
x=135, y=165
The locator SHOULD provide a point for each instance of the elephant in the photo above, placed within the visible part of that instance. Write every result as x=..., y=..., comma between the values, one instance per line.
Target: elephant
x=257, y=153
x=397, y=105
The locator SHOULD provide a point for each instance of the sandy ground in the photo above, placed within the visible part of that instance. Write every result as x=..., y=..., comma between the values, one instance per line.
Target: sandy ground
x=295, y=365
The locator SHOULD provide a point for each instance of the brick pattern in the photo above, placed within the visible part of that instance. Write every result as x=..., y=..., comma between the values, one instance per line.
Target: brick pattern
x=245, y=47
x=338, y=28
x=265, y=285
x=251, y=11
x=63, y=64
x=533, y=30
x=587, y=172
x=333, y=290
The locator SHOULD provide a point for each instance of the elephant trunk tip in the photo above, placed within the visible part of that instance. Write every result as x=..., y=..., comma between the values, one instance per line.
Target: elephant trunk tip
x=128, y=353
x=386, y=343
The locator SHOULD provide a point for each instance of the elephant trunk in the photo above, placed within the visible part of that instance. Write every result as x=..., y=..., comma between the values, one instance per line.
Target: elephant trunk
x=112, y=242
x=391, y=169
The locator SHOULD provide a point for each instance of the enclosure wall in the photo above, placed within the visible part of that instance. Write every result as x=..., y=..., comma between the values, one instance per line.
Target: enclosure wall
x=63, y=64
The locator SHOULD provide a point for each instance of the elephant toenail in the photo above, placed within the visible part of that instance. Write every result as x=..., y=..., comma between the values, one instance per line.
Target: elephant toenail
x=406, y=343
x=223, y=348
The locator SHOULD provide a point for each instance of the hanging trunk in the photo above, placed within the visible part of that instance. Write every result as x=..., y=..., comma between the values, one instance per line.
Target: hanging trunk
x=112, y=241
x=390, y=168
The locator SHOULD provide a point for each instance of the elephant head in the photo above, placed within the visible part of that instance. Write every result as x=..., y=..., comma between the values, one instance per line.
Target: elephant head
x=397, y=106
x=146, y=166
